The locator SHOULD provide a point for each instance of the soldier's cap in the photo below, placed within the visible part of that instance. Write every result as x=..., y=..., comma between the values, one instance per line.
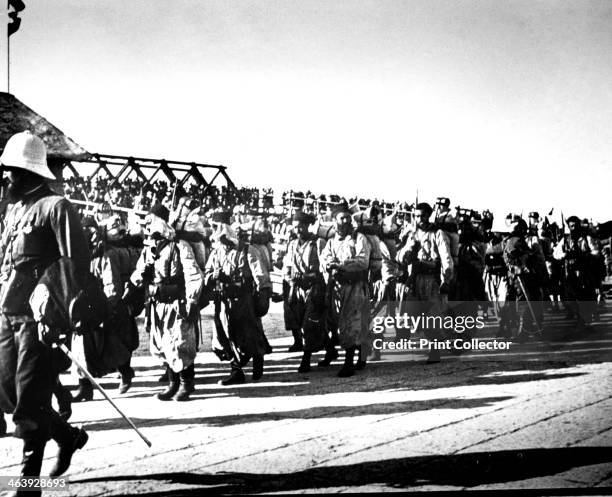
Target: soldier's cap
x=573, y=219
x=303, y=217
x=443, y=201
x=534, y=215
x=160, y=211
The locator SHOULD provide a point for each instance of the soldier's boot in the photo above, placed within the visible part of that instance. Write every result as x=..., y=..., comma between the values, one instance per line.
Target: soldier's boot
x=305, y=363
x=361, y=359
x=236, y=376
x=434, y=356
x=3, y=426
x=67, y=448
x=64, y=400
x=186, y=387
x=331, y=354
x=173, y=385
x=258, y=367
x=31, y=464
x=347, y=368
x=190, y=375
x=164, y=376
x=297, y=342
x=85, y=391
x=127, y=375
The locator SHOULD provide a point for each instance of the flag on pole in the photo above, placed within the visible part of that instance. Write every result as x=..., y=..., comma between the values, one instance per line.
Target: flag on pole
x=14, y=7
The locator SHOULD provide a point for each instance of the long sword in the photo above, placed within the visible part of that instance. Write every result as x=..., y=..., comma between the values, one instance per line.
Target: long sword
x=66, y=351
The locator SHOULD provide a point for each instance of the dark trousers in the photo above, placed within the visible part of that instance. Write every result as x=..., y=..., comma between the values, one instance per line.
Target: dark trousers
x=27, y=380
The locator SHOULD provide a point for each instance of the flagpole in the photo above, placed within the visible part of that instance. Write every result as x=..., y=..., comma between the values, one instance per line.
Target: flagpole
x=4, y=40
x=8, y=63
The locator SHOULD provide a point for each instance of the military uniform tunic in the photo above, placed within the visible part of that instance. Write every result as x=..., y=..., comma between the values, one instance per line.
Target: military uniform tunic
x=40, y=229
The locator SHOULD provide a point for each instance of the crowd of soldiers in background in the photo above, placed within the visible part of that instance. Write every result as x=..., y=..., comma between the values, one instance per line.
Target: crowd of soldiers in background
x=335, y=263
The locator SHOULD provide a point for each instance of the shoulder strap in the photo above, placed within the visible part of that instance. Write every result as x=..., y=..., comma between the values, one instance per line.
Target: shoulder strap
x=168, y=265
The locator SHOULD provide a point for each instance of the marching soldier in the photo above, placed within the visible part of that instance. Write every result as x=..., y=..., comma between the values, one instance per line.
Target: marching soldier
x=168, y=268
x=552, y=289
x=447, y=222
x=384, y=289
x=41, y=228
x=427, y=263
x=469, y=281
x=381, y=270
x=261, y=262
x=112, y=348
x=533, y=223
x=304, y=307
x=526, y=271
x=240, y=290
x=579, y=254
x=346, y=258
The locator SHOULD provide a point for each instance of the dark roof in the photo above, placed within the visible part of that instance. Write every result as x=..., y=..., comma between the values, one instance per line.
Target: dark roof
x=15, y=117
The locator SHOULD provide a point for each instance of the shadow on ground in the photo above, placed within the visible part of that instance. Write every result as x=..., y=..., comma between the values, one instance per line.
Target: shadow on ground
x=461, y=470
x=387, y=408
x=376, y=377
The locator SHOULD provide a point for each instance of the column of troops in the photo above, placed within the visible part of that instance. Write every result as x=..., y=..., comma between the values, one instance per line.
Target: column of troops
x=84, y=280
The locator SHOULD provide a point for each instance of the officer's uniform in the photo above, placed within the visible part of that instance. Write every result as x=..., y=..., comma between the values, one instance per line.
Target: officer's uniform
x=40, y=229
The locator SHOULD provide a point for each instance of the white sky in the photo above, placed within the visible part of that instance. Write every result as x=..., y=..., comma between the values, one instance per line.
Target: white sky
x=499, y=104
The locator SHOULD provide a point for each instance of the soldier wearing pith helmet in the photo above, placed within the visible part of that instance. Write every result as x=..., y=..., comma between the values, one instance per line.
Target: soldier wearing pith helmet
x=41, y=227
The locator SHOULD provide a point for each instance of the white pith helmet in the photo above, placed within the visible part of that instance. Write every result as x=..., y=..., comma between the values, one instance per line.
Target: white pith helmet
x=26, y=151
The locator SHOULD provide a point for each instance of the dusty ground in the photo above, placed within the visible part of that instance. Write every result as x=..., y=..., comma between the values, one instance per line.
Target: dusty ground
x=540, y=417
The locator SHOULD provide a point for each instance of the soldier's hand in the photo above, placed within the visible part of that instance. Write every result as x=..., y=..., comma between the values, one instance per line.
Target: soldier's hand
x=47, y=336
x=216, y=273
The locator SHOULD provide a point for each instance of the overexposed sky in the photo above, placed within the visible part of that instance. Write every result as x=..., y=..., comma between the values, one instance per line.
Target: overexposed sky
x=499, y=104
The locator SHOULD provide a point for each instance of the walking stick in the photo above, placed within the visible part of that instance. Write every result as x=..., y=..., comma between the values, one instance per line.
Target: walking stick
x=520, y=280
x=66, y=351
